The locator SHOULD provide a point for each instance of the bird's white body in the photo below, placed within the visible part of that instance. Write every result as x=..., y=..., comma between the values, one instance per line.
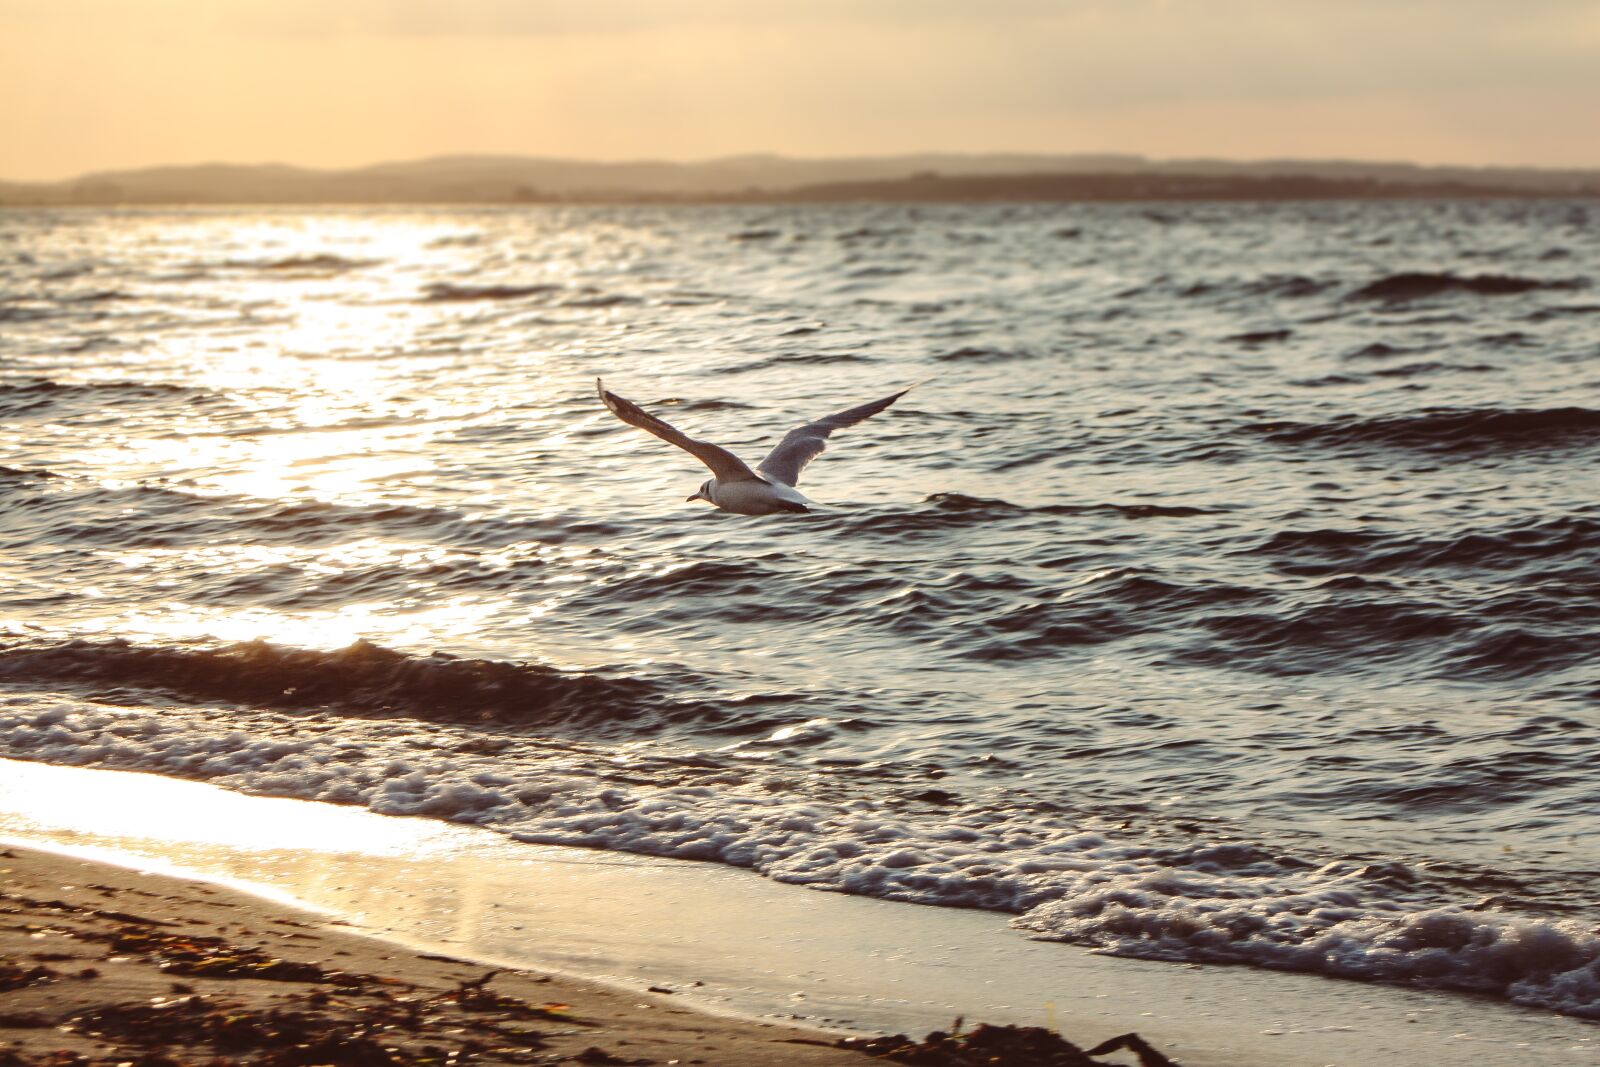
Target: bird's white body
x=753, y=497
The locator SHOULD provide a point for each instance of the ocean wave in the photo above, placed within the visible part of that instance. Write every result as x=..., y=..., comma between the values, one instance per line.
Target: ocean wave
x=1414, y=370
x=699, y=578
x=292, y=267
x=878, y=270
x=1562, y=311
x=975, y=354
x=23, y=474
x=1324, y=924
x=1468, y=784
x=24, y=396
x=790, y=359
x=315, y=263
x=959, y=503
x=697, y=594
x=1417, y=285
x=1343, y=550
x=448, y=292
x=162, y=516
x=1446, y=429
x=938, y=513
x=589, y=298
x=1516, y=651
x=96, y=296
x=156, y=515
x=942, y=512
x=1260, y=337
x=362, y=679
x=1421, y=369
x=1290, y=286
x=1361, y=625
x=703, y=404
x=1358, y=631
x=872, y=233
x=1117, y=605
x=1379, y=350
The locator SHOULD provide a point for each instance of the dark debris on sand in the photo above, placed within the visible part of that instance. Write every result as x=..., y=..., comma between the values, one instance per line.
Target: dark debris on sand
x=1000, y=1046
x=322, y=1016
x=364, y=1025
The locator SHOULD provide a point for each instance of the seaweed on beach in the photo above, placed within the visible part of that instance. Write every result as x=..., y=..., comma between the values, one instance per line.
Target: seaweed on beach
x=321, y=1015
x=596, y=1055
x=15, y=976
x=213, y=957
x=1000, y=1046
x=68, y=1058
x=291, y=1037
x=320, y=1029
x=474, y=995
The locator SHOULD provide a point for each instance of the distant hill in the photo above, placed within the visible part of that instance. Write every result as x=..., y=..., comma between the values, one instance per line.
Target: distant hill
x=769, y=178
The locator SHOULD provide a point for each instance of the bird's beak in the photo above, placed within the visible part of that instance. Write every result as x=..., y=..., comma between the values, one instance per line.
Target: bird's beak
x=697, y=496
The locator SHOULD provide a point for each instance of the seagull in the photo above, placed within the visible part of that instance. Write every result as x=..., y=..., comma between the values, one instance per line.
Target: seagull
x=734, y=487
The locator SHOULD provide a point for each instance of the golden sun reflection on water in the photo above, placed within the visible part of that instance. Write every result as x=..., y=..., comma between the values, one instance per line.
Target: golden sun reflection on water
x=295, y=369
x=42, y=802
x=403, y=619
x=334, y=465
x=380, y=622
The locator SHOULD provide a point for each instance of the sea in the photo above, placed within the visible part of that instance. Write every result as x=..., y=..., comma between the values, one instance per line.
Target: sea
x=1227, y=589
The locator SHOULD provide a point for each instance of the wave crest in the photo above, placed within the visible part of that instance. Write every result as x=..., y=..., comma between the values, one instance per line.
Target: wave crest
x=1417, y=285
x=1446, y=429
x=362, y=679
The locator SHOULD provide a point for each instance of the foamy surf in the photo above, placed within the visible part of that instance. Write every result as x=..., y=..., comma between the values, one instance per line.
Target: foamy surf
x=1062, y=877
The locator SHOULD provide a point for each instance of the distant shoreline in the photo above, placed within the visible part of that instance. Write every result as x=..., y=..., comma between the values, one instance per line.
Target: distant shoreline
x=948, y=191
x=776, y=180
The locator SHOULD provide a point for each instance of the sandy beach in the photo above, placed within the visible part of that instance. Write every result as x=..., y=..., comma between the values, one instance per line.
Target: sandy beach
x=103, y=964
x=106, y=965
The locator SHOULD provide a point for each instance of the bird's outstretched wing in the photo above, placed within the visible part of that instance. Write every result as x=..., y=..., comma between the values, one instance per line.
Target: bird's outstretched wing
x=726, y=466
x=805, y=443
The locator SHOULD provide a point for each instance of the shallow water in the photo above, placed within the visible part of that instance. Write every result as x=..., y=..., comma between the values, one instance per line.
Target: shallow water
x=1226, y=591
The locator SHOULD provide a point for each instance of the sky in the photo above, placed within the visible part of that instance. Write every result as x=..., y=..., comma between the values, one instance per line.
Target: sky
x=90, y=85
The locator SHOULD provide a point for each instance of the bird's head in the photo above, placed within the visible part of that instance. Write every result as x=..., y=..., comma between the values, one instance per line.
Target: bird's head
x=702, y=493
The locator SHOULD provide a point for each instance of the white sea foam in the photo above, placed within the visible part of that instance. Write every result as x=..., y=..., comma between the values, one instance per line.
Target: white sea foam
x=1213, y=902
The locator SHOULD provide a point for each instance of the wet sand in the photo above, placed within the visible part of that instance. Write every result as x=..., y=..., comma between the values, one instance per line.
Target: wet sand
x=110, y=965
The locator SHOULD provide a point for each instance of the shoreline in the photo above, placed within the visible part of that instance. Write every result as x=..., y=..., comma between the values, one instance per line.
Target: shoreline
x=113, y=953
x=728, y=943
x=202, y=972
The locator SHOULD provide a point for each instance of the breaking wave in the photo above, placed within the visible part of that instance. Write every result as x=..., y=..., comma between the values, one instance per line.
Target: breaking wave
x=446, y=292
x=1447, y=429
x=1417, y=285
x=362, y=679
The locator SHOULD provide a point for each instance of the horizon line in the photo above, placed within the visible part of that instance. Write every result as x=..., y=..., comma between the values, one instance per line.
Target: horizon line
x=754, y=155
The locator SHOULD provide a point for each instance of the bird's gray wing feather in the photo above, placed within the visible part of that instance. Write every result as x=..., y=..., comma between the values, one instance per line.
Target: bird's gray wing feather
x=726, y=466
x=805, y=443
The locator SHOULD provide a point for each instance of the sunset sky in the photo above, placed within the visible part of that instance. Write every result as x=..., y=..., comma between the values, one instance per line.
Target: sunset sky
x=97, y=84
